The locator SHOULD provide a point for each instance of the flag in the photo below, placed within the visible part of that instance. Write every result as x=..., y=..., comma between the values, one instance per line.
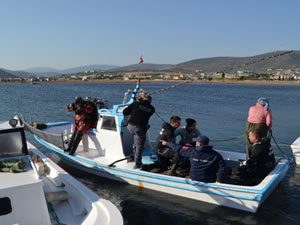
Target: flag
x=141, y=60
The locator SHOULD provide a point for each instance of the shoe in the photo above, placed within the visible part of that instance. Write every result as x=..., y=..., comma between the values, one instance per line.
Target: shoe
x=130, y=159
x=137, y=166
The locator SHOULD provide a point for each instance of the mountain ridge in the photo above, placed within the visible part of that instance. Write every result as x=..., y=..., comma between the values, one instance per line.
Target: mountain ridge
x=52, y=71
x=257, y=63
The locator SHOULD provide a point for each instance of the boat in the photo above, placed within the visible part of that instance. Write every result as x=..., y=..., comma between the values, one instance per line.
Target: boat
x=296, y=150
x=34, y=190
x=106, y=150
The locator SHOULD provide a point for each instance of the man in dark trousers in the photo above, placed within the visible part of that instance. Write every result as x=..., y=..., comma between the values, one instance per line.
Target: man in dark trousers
x=140, y=112
x=166, y=155
x=86, y=116
x=207, y=165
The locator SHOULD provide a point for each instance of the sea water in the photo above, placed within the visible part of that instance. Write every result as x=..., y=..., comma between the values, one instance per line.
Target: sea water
x=221, y=113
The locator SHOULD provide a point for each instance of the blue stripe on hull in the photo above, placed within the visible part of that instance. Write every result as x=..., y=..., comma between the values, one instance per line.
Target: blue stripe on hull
x=260, y=193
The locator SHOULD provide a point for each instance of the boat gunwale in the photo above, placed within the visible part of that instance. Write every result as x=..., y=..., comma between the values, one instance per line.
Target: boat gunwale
x=230, y=187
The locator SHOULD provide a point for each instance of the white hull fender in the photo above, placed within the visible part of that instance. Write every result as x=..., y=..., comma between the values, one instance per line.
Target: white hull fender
x=296, y=150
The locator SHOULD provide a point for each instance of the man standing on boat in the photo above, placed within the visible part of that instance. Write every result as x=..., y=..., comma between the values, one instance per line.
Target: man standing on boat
x=140, y=112
x=259, y=119
x=207, y=165
x=86, y=116
x=164, y=153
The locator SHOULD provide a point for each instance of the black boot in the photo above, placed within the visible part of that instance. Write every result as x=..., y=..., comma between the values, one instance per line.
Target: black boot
x=71, y=141
x=175, y=161
x=77, y=139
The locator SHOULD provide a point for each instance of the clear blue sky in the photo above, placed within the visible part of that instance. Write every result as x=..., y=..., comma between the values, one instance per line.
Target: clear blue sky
x=68, y=33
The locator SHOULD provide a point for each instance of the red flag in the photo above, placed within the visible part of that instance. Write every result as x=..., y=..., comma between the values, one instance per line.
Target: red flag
x=141, y=60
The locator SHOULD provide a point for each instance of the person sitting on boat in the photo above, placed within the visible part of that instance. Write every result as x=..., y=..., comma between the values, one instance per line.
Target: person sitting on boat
x=260, y=119
x=261, y=161
x=188, y=132
x=86, y=116
x=140, y=112
x=166, y=155
x=207, y=165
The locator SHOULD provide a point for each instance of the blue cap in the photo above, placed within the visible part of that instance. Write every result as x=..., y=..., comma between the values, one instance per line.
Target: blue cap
x=202, y=139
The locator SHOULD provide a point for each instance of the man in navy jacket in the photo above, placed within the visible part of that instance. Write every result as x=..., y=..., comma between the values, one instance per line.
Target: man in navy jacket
x=207, y=165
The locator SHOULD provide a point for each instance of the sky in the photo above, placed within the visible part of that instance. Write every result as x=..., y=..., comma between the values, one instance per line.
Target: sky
x=67, y=33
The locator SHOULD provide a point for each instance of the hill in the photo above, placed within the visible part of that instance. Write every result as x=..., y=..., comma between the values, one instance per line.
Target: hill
x=46, y=71
x=19, y=73
x=5, y=74
x=258, y=63
x=144, y=66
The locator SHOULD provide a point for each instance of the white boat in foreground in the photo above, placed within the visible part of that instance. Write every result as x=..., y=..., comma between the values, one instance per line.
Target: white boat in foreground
x=36, y=191
x=103, y=150
x=296, y=150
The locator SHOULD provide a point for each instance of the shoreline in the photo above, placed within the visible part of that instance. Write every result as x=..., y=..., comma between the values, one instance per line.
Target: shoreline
x=254, y=82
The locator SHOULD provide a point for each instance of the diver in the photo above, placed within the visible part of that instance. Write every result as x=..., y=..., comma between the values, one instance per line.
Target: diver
x=86, y=116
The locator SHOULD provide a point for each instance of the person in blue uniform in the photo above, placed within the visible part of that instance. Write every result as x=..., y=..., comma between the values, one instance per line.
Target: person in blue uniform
x=207, y=165
x=140, y=112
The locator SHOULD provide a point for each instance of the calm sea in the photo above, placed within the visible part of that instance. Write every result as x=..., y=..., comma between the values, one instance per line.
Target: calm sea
x=221, y=112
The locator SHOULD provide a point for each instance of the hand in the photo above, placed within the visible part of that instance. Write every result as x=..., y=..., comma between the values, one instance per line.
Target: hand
x=71, y=107
x=163, y=142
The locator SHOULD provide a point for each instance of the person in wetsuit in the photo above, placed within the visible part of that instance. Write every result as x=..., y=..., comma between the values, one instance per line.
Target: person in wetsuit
x=86, y=116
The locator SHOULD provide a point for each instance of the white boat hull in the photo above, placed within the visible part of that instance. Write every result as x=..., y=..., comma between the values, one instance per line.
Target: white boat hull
x=40, y=192
x=296, y=150
x=234, y=196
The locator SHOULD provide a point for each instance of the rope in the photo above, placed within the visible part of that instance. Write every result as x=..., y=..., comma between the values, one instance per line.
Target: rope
x=159, y=116
x=241, y=65
x=229, y=139
x=172, y=86
x=282, y=152
x=260, y=60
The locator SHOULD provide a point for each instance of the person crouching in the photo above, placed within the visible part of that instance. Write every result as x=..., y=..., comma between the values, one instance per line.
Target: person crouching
x=207, y=165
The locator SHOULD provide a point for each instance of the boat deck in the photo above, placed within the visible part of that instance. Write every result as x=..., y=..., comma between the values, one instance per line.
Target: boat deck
x=228, y=179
